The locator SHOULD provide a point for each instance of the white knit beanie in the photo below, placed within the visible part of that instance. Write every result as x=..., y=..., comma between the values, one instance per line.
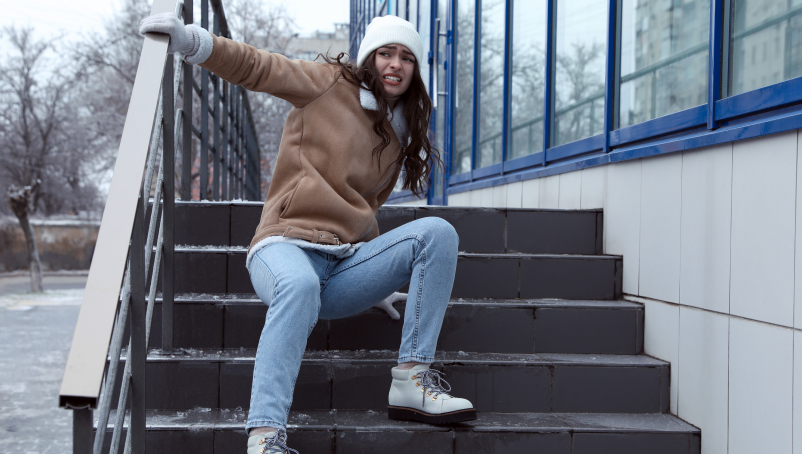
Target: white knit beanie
x=385, y=30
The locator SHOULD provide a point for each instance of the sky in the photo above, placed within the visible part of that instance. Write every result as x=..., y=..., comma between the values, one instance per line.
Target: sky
x=49, y=17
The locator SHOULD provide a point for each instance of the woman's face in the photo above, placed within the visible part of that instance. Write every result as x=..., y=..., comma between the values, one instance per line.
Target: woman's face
x=396, y=64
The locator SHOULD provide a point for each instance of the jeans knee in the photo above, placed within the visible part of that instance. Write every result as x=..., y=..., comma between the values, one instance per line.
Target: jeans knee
x=299, y=290
x=302, y=285
x=441, y=232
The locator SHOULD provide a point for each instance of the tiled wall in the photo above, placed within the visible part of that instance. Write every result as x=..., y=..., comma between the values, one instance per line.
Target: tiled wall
x=710, y=241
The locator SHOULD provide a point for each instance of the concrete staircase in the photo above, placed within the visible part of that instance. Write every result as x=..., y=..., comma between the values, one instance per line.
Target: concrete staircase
x=536, y=336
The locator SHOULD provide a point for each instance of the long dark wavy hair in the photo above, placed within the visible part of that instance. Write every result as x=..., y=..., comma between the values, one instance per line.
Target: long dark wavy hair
x=419, y=157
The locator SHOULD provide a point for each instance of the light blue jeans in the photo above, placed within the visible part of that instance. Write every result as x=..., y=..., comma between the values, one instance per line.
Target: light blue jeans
x=302, y=285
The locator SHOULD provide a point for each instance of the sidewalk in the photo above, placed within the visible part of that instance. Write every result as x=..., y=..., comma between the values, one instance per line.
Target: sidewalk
x=35, y=334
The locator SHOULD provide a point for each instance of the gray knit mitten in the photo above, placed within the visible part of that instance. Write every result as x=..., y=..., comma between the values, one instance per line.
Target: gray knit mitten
x=191, y=41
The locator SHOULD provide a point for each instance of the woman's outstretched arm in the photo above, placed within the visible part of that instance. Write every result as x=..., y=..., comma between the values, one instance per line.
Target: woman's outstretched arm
x=296, y=81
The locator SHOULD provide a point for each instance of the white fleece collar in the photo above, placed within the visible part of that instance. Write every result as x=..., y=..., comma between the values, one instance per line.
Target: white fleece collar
x=397, y=119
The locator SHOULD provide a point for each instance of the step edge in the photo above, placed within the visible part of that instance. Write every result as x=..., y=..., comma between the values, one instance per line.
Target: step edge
x=678, y=426
x=351, y=356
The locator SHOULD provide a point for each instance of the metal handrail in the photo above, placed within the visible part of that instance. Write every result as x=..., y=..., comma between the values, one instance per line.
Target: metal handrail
x=83, y=376
x=107, y=307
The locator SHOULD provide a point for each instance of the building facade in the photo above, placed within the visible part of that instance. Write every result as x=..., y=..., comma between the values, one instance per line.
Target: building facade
x=679, y=118
x=319, y=43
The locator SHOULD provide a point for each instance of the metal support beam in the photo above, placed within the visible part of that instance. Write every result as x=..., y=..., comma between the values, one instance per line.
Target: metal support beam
x=138, y=345
x=548, y=95
x=168, y=161
x=204, y=116
x=224, y=143
x=82, y=431
x=186, y=152
x=716, y=51
x=611, y=75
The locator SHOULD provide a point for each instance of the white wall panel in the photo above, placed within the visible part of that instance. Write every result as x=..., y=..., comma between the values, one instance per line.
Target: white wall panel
x=499, y=196
x=661, y=338
x=550, y=192
x=594, y=187
x=797, y=429
x=514, y=193
x=462, y=199
x=530, y=194
x=761, y=385
x=798, y=252
x=702, y=382
x=419, y=202
x=660, y=209
x=763, y=228
x=570, y=190
x=705, y=231
x=482, y=197
x=622, y=218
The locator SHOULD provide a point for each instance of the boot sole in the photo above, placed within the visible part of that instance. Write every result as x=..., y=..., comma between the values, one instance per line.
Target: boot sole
x=409, y=414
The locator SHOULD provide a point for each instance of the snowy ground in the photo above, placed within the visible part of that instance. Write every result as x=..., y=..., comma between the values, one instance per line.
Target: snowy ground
x=35, y=334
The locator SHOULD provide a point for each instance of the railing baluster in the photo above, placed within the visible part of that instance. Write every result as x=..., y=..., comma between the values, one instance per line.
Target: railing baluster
x=168, y=166
x=137, y=350
x=224, y=142
x=204, y=117
x=114, y=363
x=186, y=158
x=216, y=139
x=231, y=145
x=240, y=160
x=217, y=154
x=82, y=431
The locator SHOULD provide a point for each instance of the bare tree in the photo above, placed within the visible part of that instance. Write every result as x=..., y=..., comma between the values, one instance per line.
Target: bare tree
x=45, y=151
x=272, y=29
x=109, y=59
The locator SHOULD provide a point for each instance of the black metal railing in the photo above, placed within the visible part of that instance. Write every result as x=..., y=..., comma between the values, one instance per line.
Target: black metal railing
x=222, y=152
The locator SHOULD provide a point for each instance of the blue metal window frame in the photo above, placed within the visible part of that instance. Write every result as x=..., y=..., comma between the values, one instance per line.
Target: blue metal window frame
x=767, y=110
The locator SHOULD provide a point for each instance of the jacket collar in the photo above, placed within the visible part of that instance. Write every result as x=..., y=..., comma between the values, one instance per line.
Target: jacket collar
x=397, y=119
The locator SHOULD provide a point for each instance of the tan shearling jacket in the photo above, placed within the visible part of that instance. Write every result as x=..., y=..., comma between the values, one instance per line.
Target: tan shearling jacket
x=325, y=180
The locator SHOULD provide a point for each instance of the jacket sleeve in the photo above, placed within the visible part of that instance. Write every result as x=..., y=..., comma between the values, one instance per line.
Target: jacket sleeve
x=296, y=81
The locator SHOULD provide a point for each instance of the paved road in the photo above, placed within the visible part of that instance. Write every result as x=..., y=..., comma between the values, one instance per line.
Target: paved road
x=35, y=335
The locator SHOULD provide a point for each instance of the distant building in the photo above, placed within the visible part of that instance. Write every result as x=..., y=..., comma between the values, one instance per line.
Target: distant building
x=309, y=47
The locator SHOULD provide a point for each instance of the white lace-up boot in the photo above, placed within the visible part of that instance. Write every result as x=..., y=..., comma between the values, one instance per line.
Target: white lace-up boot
x=270, y=443
x=420, y=394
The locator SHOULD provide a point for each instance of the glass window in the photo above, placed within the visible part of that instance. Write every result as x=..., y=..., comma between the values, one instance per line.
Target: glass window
x=491, y=94
x=463, y=92
x=440, y=113
x=528, y=65
x=766, y=43
x=581, y=42
x=424, y=29
x=664, y=49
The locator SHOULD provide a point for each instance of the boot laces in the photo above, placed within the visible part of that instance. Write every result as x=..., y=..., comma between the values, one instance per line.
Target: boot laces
x=278, y=440
x=431, y=379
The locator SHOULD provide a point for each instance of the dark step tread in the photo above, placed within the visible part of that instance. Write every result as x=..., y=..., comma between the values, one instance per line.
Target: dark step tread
x=234, y=419
x=251, y=298
x=388, y=207
x=508, y=325
x=212, y=249
x=359, y=380
x=211, y=269
x=243, y=355
x=479, y=229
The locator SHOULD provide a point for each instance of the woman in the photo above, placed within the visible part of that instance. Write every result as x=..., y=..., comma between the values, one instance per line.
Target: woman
x=317, y=252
